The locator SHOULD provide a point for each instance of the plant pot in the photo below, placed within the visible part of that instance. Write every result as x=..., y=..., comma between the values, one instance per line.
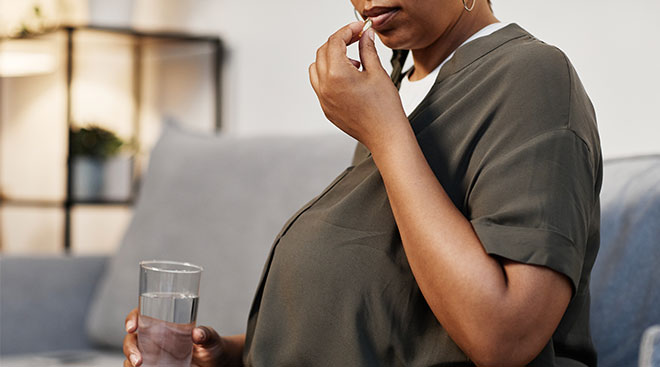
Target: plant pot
x=102, y=179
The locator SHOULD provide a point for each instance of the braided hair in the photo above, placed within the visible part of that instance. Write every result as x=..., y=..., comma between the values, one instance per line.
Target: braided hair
x=397, y=61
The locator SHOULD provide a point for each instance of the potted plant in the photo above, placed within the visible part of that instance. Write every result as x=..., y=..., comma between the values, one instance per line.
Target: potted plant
x=99, y=169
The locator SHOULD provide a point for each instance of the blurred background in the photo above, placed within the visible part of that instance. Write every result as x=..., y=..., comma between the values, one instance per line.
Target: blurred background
x=85, y=86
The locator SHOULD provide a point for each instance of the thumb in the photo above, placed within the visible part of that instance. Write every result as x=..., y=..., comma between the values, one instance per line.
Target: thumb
x=205, y=337
x=368, y=53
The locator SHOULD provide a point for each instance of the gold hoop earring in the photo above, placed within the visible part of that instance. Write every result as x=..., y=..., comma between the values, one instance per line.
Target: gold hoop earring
x=470, y=8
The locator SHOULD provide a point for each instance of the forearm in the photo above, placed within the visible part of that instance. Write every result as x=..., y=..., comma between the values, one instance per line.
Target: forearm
x=500, y=313
x=465, y=287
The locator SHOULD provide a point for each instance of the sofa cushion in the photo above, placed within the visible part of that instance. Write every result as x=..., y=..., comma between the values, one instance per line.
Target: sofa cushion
x=626, y=276
x=215, y=201
x=43, y=298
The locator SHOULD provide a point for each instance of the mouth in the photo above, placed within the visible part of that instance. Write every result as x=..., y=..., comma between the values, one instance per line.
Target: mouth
x=380, y=15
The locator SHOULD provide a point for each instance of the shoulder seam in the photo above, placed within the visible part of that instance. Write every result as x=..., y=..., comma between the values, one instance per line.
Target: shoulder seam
x=570, y=92
x=484, y=55
x=538, y=136
x=522, y=146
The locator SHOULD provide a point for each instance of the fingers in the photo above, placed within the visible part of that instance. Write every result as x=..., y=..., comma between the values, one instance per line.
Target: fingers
x=339, y=40
x=128, y=363
x=334, y=51
x=205, y=337
x=209, y=346
x=368, y=53
x=131, y=322
x=133, y=356
x=332, y=55
x=321, y=59
x=355, y=63
x=130, y=349
x=347, y=34
x=314, y=77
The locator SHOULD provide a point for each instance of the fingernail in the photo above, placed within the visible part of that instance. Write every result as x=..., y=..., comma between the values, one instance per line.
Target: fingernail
x=202, y=334
x=130, y=325
x=134, y=359
x=371, y=34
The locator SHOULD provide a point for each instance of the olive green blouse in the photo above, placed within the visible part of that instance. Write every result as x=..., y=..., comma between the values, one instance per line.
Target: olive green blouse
x=511, y=135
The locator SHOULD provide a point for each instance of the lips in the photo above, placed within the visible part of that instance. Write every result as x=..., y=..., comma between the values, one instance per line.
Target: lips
x=380, y=15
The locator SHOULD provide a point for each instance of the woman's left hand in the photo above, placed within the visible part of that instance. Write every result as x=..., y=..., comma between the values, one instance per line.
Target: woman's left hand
x=363, y=103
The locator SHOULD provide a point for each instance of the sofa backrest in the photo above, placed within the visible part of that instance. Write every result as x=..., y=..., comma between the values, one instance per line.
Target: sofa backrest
x=625, y=281
x=203, y=196
x=215, y=201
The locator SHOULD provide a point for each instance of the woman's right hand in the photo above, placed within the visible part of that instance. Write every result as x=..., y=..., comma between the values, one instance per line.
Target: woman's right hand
x=209, y=349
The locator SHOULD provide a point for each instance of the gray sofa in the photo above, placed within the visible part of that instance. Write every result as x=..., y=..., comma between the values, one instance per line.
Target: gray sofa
x=219, y=201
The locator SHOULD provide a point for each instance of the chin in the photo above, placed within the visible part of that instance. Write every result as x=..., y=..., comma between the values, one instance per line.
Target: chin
x=392, y=41
x=397, y=40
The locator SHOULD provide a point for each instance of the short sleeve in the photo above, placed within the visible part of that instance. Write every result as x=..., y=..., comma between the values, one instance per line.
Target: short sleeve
x=533, y=204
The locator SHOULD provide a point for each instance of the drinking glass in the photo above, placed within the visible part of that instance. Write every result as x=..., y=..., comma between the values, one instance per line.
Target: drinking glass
x=169, y=293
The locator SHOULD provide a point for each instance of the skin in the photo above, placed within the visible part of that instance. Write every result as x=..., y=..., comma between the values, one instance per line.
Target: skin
x=499, y=312
x=432, y=30
x=209, y=349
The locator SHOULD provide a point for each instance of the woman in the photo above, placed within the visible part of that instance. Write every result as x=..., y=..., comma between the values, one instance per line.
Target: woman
x=464, y=232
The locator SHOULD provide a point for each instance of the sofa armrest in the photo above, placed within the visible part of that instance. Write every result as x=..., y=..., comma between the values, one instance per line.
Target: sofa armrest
x=649, y=350
x=44, y=302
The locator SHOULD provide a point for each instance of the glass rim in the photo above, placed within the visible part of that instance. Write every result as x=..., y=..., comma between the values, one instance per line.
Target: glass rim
x=148, y=264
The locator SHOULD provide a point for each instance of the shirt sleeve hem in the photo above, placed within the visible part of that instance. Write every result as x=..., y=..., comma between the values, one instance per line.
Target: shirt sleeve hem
x=534, y=246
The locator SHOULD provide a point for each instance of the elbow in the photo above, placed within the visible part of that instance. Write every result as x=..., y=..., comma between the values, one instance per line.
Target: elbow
x=502, y=339
x=499, y=359
x=508, y=352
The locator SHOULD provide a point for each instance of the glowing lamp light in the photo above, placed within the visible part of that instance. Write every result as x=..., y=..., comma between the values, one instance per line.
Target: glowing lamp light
x=23, y=63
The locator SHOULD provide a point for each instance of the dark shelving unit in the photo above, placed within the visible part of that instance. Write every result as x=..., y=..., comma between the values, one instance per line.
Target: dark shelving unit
x=138, y=39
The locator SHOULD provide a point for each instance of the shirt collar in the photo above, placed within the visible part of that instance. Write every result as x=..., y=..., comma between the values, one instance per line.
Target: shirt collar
x=470, y=52
x=485, y=31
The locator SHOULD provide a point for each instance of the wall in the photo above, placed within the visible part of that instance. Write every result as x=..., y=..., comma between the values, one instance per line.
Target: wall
x=614, y=47
x=270, y=44
x=266, y=90
x=612, y=44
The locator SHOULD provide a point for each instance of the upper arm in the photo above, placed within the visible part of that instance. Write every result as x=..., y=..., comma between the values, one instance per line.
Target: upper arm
x=534, y=205
x=531, y=210
x=539, y=297
x=535, y=300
